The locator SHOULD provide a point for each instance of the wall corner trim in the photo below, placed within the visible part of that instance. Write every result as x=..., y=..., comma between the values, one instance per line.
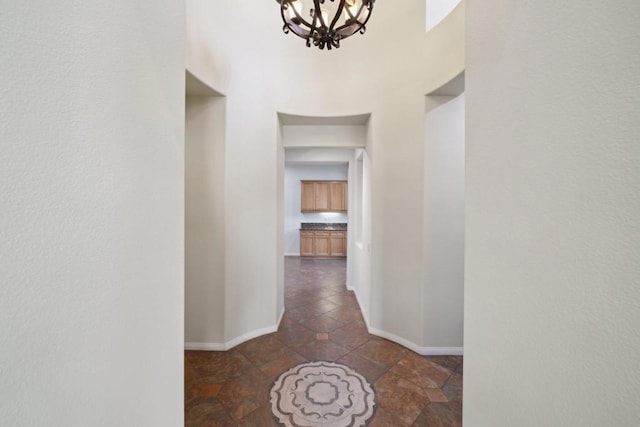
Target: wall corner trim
x=280, y=319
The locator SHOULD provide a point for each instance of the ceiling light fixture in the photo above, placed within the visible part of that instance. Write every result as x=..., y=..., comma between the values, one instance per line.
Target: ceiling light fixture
x=327, y=23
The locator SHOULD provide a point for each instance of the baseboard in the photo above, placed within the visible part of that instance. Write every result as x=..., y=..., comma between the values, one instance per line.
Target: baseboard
x=298, y=254
x=249, y=336
x=204, y=346
x=423, y=351
x=441, y=351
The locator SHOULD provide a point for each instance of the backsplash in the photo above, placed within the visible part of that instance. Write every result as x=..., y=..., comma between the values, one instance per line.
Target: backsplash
x=325, y=217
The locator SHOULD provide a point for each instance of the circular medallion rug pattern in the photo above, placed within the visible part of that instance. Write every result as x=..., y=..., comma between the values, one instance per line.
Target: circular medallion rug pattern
x=322, y=394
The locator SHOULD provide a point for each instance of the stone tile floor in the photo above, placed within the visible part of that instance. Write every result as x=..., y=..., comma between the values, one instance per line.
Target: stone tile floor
x=322, y=321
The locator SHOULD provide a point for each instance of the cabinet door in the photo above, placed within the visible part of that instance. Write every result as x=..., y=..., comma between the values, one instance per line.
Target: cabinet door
x=308, y=196
x=306, y=243
x=344, y=243
x=322, y=196
x=338, y=196
x=346, y=197
x=322, y=243
x=338, y=243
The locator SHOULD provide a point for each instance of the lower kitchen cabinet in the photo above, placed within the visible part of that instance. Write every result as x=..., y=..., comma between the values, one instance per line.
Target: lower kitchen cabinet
x=323, y=243
x=339, y=243
x=306, y=243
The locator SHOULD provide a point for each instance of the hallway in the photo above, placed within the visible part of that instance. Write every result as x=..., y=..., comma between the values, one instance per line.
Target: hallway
x=322, y=321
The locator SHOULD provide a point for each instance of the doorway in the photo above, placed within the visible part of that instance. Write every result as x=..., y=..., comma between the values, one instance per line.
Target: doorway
x=325, y=148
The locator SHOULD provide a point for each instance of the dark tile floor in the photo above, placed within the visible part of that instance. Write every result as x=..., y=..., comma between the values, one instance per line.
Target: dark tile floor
x=322, y=321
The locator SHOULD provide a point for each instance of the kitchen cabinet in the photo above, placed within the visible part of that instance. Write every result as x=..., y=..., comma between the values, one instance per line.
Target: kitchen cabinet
x=338, y=243
x=338, y=196
x=324, y=196
x=322, y=203
x=308, y=196
x=306, y=243
x=323, y=243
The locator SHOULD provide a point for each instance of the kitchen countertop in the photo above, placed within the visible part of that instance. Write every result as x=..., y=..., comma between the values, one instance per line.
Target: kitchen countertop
x=324, y=226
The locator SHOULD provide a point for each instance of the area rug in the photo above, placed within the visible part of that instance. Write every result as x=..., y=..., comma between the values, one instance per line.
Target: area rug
x=322, y=394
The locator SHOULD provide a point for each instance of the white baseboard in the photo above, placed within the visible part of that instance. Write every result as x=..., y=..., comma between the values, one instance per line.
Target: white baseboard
x=205, y=346
x=250, y=335
x=423, y=351
x=441, y=351
x=298, y=254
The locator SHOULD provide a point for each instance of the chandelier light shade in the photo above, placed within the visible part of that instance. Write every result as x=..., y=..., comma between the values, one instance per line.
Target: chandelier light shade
x=324, y=23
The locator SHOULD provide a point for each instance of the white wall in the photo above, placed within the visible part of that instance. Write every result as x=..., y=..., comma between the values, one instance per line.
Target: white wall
x=553, y=201
x=91, y=225
x=204, y=220
x=359, y=266
x=273, y=73
x=324, y=135
x=293, y=174
x=280, y=194
x=444, y=223
x=437, y=10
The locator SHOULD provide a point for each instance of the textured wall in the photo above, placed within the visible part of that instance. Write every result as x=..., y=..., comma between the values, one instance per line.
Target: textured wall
x=91, y=224
x=553, y=201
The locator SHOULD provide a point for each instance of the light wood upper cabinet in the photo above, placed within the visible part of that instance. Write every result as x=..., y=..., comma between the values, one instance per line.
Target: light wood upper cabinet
x=308, y=196
x=324, y=196
x=338, y=196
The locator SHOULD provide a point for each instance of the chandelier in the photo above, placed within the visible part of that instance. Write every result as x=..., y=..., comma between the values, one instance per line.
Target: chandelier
x=322, y=23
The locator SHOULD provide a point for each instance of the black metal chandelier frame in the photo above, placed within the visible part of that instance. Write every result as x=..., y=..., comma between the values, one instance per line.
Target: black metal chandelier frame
x=323, y=31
